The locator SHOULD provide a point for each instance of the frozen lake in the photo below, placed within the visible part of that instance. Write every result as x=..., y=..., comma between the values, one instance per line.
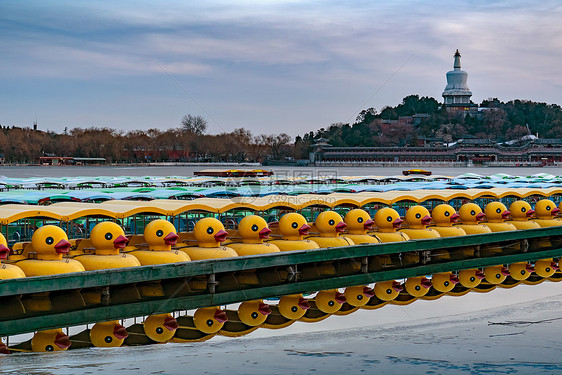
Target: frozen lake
x=506, y=331
x=187, y=171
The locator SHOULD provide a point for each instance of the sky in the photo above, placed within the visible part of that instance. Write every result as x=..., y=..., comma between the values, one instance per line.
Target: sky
x=268, y=66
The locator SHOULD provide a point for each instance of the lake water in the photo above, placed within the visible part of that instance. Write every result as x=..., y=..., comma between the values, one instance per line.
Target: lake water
x=187, y=171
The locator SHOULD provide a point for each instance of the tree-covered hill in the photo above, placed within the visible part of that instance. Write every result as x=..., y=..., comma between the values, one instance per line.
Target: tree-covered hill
x=394, y=126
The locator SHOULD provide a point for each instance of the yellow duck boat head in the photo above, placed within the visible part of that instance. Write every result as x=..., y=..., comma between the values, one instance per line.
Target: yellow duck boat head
x=358, y=295
x=418, y=217
x=388, y=290
x=471, y=214
x=545, y=209
x=209, y=232
x=329, y=301
x=108, y=334
x=209, y=319
x=444, y=282
x=50, y=243
x=521, y=211
x=444, y=215
x=471, y=278
x=253, y=229
x=4, y=249
x=253, y=313
x=417, y=286
x=51, y=340
x=108, y=238
x=293, y=306
x=545, y=267
x=496, y=274
x=293, y=226
x=496, y=212
x=521, y=270
x=160, y=327
x=387, y=220
x=330, y=224
x=358, y=221
x=160, y=235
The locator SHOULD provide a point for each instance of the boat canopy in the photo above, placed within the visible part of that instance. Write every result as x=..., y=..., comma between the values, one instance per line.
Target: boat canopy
x=120, y=209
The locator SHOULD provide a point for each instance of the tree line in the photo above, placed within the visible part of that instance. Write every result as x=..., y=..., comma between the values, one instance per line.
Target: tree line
x=496, y=120
x=188, y=142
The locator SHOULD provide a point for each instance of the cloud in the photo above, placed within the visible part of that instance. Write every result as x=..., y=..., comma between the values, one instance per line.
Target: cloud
x=302, y=63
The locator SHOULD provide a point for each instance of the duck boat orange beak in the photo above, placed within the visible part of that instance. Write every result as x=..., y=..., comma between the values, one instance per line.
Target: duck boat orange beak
x=426, y=283
x=220, y=316
x=397, y=223
x=120, y=332
x=303, y=231
x=454, y=217
x=368, y=224
x=4, y=349
x=397, y=286
x=264, y=233
x=171, y=239
x=62, y=341
x=62, y=247
x=340, y=298
x=340, y=227
x=480, y=216
x=426, y=220
x=4, y=252
x=221, y=235
x=264, y=309
x=171, y=324
x=120, y=243
x=505, y=214
x=303, y=304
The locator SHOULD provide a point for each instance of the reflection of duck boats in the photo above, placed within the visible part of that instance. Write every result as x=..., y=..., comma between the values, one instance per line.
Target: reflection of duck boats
x=416, y=171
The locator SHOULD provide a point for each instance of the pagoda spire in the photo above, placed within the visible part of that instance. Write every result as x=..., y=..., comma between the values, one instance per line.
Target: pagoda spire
x=457, y=63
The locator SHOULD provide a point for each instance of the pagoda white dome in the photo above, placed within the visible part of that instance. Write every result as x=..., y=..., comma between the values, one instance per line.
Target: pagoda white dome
x=456, y=80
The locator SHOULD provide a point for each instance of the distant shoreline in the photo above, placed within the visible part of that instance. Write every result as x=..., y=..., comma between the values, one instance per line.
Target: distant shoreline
x=256, y=165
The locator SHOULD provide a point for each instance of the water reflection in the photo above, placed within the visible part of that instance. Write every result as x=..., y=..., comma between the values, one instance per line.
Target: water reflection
x=447, y=335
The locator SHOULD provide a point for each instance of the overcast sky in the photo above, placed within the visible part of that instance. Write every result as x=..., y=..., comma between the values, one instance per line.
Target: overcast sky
x=268, y=66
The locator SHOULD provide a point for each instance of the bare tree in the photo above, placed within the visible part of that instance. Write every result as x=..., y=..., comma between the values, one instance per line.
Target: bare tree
x=276, y=143
x=194, y=124
x=259, y=147
x=237, y=143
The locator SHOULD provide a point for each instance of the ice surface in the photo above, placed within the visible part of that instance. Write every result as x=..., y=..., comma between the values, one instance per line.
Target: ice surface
x=507, y=331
